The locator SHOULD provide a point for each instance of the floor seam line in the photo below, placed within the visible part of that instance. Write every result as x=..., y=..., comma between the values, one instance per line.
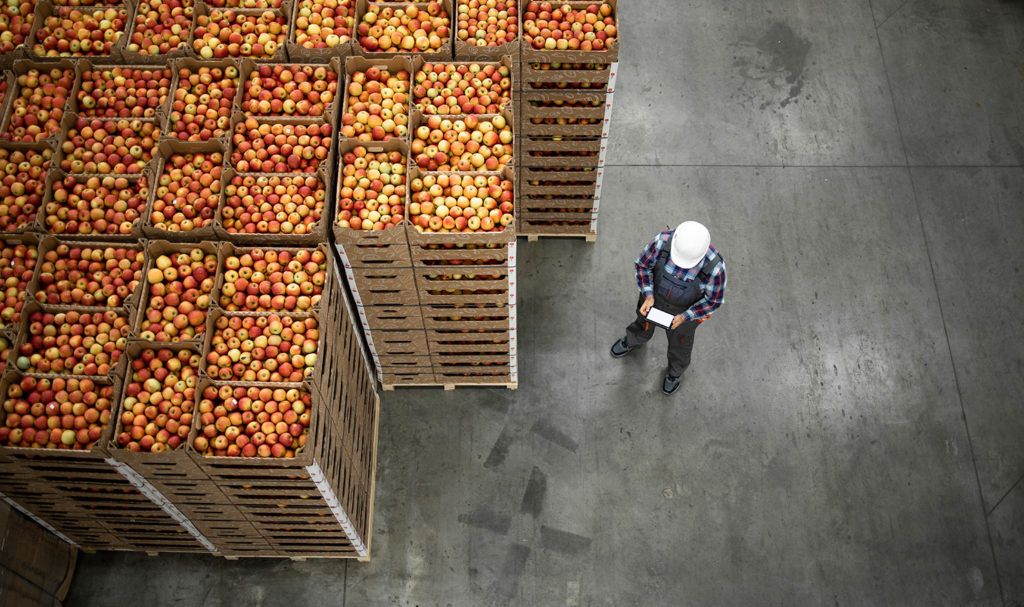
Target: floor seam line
x=813, y=166
x=1005, y=495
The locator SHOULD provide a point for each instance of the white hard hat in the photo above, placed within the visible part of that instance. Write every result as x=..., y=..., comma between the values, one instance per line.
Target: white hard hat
x=690, y=244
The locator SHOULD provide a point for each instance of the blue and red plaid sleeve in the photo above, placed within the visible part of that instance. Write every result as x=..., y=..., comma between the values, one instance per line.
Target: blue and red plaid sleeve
x=714, y=294
x=647, y=260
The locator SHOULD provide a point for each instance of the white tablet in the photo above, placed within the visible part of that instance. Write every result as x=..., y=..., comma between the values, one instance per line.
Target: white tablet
x=660, y=318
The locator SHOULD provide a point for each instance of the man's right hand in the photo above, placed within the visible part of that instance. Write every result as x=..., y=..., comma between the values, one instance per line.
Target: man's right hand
x=647, y=305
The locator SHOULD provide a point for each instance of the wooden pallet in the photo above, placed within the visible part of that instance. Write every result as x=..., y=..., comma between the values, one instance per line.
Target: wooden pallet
x=534, y=237
x=391, y=387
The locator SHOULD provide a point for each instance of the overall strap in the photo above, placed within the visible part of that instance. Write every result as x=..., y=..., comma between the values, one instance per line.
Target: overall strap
x=709, y=268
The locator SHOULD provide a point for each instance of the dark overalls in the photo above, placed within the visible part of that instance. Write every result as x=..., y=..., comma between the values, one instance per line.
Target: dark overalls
x=674, y=296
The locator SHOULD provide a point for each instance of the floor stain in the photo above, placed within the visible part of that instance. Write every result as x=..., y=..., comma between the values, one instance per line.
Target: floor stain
x=779, y=58
x=536, y=490
x=500, y=449
x=491, y=521
x=563, y=541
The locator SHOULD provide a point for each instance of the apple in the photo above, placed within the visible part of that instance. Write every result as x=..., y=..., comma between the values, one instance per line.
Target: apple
x=38, y=106
x=321, y=24
x=79, y=32
x=462, y=88
x=252, y=421
x=161, y=26
x=273, y=280
x=404, y=29
x=179, y=287
x=246, y=4
x=280, y=148
x=17, y=267
x=227, y=33
x=273, y=204
x=22, y=185
x=73, y=342
x=159, y=400
x=460, y=203
x=487, y=22
x=88, y=275
x=95, y=205
x=565, y=27
x=55, y=413
x=377, y=107
x=15, y=24
x=187, y=192
x=121, y=146
x=469, y=143
x=280, y=90
x=266, y=348
x=202, y=103
x=123, y=92
x=6, y=347
x=371, y=194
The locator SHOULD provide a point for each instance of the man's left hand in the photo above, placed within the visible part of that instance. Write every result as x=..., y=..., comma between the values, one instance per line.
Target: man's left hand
x=678, y=320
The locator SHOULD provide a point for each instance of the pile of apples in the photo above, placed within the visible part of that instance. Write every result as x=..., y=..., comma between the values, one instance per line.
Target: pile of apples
x=273, y=280
x=372, y=193
x=279, y=90
x=273, y=204
x=180, y=285
x=280, y=148
x=253, y=422
x=15, y=24
x=324, y=23
x=460, y=203
x=227, y=33
x=22, y=185
x=407, y=29
x=247, y=4
x=159, y=400
x=109, y=146
x=75, y=32
x=262, y=349
x=86, y=205
x=487, y=22
x=161, y=26
x=202, y=103
x=38, y=106
x=463, y=144
x=448, y=88
x=122, y=92
x=55, y=413
x=187, y=192
x=85, y=275
x=566, y=28
x=73, y=342
x=5, y=351
x=377, y=108
x=17, y=267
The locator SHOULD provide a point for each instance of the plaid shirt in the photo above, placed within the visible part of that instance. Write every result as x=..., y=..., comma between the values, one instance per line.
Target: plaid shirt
x=714, y=288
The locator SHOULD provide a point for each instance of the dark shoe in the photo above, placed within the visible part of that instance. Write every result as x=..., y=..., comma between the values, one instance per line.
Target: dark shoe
x=670, y=385
x=620, y=349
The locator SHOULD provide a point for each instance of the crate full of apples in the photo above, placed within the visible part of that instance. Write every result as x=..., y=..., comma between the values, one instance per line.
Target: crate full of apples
x=160, y=31
x=462, y=143
x=273, y=208
x=18, y=259
x=79, y=31
x=463, y=88
x=237, y=33
x=309, y=91
x=38, y=98
x=377, y=100
x=272, y=280
x=570, y=31
x=105, y=207
x=469, y=203
x=203, y=99
x=177, y=292
x=386, y=29
x=186, y=191
x=486, y=30
x=121, y=92
x=321, y=29
x=88, y=275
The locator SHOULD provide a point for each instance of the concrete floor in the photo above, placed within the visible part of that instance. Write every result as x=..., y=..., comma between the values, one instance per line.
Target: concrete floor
x=850, y=432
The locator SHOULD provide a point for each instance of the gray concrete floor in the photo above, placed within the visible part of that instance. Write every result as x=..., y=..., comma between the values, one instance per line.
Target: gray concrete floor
x=850, y=432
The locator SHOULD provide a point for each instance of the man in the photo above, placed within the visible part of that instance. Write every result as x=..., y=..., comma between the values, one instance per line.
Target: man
x=680, y=273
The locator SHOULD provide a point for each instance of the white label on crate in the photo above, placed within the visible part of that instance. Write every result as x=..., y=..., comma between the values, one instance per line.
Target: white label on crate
x=604, y=153
x=609, y=100
x=41, y=522
x=158, y=498
x=357, y=313
x=612, y=70
x=317, y=476
x=344, y=257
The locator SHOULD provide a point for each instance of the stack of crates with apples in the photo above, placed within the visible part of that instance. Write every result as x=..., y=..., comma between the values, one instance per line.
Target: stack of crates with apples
x=426, y=188
x=174, y=345
x=569, y=59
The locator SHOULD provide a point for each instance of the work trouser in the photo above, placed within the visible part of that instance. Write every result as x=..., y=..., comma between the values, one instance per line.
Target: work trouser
x=680, y=340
